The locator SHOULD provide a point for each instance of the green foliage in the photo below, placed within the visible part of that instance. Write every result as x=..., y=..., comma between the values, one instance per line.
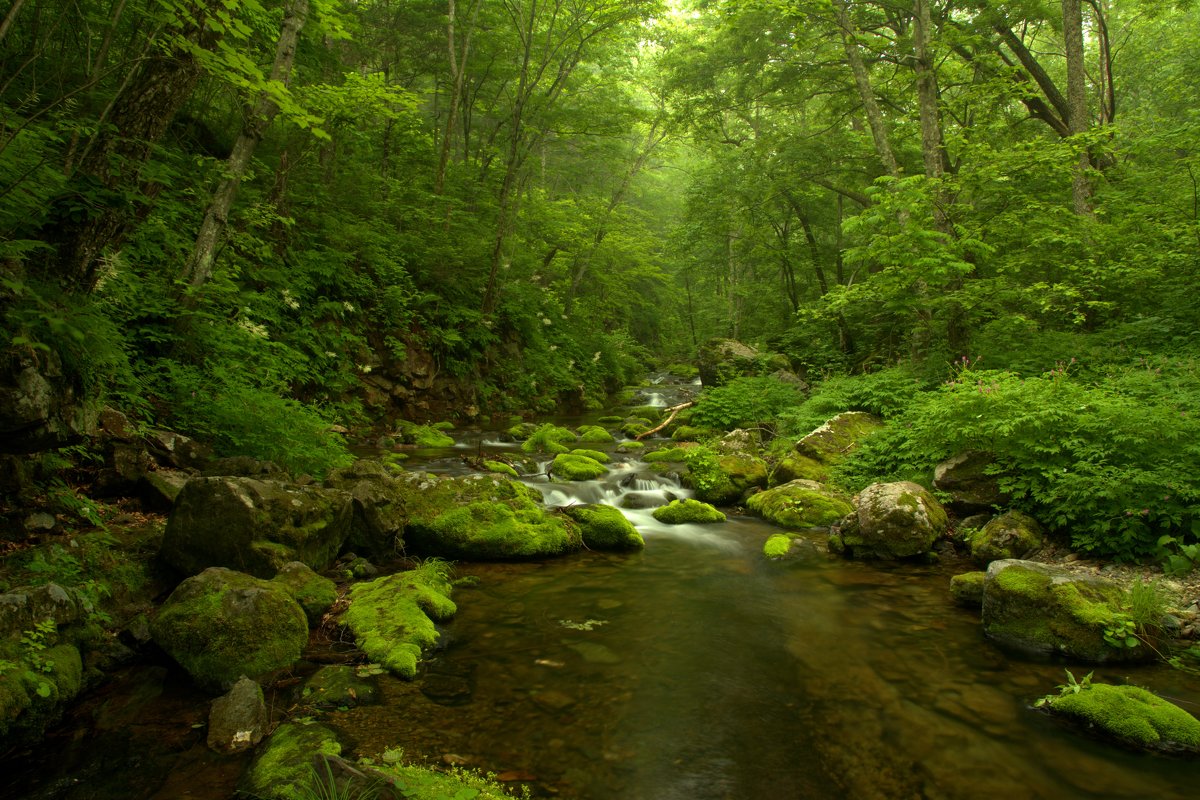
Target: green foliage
x=744, y=402
x=1070, y=687
x=548, y=438
x=885, y=393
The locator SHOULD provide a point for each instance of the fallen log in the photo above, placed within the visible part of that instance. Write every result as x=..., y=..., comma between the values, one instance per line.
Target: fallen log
x=674, y=410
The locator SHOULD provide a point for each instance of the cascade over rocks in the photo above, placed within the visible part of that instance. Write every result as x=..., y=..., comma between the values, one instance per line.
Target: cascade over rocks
x=891, y=520
x=254, y=526
x=220, y=625
x=1038, y=608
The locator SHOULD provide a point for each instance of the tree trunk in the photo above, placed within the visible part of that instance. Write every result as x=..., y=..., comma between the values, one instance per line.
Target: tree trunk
x=932, y=147
x=862, y=80
x=106, y=181
x=199, y=266
x=9, y=17
x=458, y=71
x=1077, y=113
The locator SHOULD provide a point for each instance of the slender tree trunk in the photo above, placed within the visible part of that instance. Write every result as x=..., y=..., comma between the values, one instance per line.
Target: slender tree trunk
x=932, y=148
x=199, y=266
x=140, y=114
x=862, y=80
x=458, y=71
x=1077, y=116
x=7, y=22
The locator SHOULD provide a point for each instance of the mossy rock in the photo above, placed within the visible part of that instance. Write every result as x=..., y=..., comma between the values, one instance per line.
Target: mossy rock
x=594, y=455
x=724, y=479
x=649, y=413
x=630, y=447
x=1010, y=535
x=838, y=437
x=1132, y=716
x=594, y=434
x=37, y=688
x=314, y=593
x=797, y=467
x=496, y=531
x=571, y=467
x=424, y=436
x=1041, y=609
x=685, y=371
x=338, y=685
x=611, y=419
x=777, y=546
x=255, y=526
x=891, y=521
x=378, y=490
x=521, y=430
x=220, y=625
x=444, y=425
x=392, y=618
x=283, y=769
x=680, y=512
x=500, y=468
x=967, y=589
x=800, y=504
x=967, y=480
x=636, y=428
x=672, y=454
x=605, y=528
x=548, y=438
x=691, y=433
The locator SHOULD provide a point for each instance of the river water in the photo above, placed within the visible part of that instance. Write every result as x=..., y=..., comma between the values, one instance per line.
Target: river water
x=694, y=669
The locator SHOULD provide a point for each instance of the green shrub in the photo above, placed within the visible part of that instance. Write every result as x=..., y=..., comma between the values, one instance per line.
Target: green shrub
x=745, y=401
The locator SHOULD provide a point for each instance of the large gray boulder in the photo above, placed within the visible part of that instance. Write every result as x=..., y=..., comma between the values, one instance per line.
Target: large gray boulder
x=39, y=409
x=890, y=521
x=722, y=360
x=966, y=479
x=238, y=720
x=814, y=454
x=221, y=625
x=380, y=510
x=254, y=526
x=1046, y=610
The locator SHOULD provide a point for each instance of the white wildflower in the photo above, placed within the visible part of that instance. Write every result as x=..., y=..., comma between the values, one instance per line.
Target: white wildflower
x=596, y=356
x=545, y=320
x=346, y=304
x=289, y=301
x=252, y=328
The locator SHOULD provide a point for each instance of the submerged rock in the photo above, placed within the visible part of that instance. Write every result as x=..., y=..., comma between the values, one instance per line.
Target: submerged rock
x=238, y=720
x=1041, y=609
x=254, y=526
x=338, y=685
x=1010, y=535
x=891, y=520
x=392, y=618
x=800, y=504
x=605, y=527
x=682, y=512
x=967, y=589
x=1130, y=715
x=220, y=625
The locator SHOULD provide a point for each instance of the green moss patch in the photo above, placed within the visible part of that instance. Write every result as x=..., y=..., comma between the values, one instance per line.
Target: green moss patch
x=571, y=467
x=675, y=454
x=392, y=618
x=424, y=436
x=501, y=468
x=777, y=546
x=487, y=531
x=283, y=769
x=594, y=434
x=679, y=512
x=314, y=593
x=594, y=455
x=967, y=589
x=1131, y=715
x=800, y=504
x=605, y=528
x=548, y=438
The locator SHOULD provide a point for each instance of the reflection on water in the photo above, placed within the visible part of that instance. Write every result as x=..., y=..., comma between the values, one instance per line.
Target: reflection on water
x=693, y=670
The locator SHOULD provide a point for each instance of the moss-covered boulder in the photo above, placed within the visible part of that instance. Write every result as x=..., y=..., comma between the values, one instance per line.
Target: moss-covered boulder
x=794, y=467
x=692, y=433
x=724, y=478
x=283, y=769
x=838, y=437
x=220, y=625
x=800, y=504
x=483, y=517
x=594, y=455
x=967, y=589
x=254, y=526
x=670, y=454
x=500, y=468
x=23, y=607
x=1130, y=715
x=777, y=546
x=594, y=434
x=890, y=521
x=549, y=438
x=630, y=447
x=37, y=685
x=314, y=593
x=1037, y=608
x=682, y=512
x=423, y=436
x=1010, y=535
x=719, y=361
x=572, y=467
x=967, y=478
x=605, y=528
x=378, y=492
x=392, y=618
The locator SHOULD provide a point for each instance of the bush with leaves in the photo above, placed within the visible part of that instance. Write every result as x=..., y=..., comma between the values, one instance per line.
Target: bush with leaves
x=745, y=401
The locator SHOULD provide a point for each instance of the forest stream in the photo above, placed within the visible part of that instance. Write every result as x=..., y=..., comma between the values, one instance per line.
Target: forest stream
x=693, y=669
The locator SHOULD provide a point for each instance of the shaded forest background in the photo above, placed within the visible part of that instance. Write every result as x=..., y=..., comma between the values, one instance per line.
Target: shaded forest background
x=249, y=221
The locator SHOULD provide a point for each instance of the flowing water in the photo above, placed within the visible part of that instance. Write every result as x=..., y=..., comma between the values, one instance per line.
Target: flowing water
x=695, y=669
